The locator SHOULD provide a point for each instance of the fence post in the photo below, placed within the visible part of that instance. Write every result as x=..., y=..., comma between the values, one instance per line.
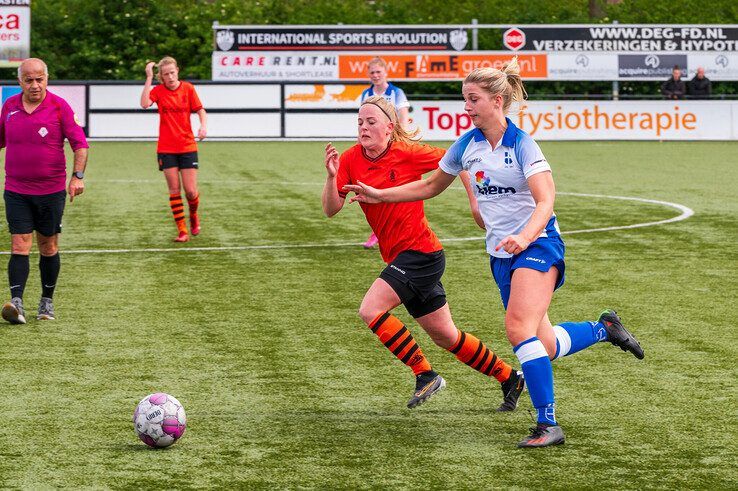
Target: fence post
x=475, y=36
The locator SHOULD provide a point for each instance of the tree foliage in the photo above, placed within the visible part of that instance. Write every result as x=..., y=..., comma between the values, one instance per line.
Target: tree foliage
x=113, y=39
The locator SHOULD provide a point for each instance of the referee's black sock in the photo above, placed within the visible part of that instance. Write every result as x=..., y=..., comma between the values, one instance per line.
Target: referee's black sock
x=18, y=268
x=49, y=266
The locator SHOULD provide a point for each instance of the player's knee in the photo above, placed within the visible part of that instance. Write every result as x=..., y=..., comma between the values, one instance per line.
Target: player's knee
x=515, y=328
x=191, y=194
x=368, y=314
x=48, y=249
x=21, y=244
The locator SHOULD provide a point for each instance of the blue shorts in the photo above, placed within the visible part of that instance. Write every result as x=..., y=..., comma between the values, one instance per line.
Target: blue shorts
x=541, y=255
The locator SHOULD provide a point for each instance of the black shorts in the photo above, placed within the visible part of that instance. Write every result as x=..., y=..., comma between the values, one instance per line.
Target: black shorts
x=416, y=278
x=29, y=212
x=177, y=160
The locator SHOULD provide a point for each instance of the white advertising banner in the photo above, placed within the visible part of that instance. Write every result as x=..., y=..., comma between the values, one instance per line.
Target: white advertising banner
x=15, y=32
x=583, y=66
x=329, y=111
x=246, y=96
x=314, y=66
x=323, y=96
x=274, y=66
x=594, y=120
x=718, y=66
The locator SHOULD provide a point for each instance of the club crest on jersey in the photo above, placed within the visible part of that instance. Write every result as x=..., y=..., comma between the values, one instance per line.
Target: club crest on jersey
x=43, y=132
x=508, y=160
x=485, y=188
x=392, y=175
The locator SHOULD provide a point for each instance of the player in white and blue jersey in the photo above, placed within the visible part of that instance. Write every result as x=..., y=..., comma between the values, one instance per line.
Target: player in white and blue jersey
x=377, y=68
x=515, y=192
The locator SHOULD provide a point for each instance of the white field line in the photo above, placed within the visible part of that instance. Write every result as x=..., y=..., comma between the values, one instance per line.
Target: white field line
x=685, y=213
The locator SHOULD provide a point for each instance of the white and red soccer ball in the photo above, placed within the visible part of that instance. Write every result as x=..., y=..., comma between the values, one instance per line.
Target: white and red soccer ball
x=159, y=420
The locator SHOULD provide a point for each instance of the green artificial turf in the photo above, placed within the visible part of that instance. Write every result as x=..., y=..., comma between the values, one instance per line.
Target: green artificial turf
x=283, y=385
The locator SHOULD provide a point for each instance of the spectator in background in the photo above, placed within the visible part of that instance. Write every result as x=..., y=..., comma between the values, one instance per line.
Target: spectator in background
x=700, y=86
x=674, y=88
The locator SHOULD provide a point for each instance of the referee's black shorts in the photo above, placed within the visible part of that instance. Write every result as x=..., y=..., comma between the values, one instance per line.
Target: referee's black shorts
x=29, y=212
x=416, y=278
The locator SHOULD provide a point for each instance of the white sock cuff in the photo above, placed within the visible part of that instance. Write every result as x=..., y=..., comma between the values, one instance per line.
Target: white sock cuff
x=564, y=341
x=531, y=351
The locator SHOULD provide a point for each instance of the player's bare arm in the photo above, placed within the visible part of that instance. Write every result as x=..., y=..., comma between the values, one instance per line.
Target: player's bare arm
x=145, y=101
x=413, y=191
x=332, y=201
x=203, y=131
x=77, y=185
x=544, y=193
x=473, y=205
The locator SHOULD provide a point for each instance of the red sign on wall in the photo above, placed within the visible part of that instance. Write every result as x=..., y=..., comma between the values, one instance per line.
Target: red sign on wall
x=513, y=39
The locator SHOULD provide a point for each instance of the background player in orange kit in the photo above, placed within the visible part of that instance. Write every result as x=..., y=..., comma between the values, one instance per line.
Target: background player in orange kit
x=387, y=156
x=177, y=149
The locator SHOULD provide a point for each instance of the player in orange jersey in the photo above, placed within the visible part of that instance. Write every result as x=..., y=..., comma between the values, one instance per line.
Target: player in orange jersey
x=387, y=156
x=380, y=86
x=177, y=149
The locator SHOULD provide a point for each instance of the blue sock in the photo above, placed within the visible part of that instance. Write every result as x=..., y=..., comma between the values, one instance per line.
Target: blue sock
x=572, y=337
x=539, y=377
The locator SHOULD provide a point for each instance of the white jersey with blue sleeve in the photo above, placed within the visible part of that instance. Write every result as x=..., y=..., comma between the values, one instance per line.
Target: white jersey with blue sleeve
x=499, y=177
x=393, y=94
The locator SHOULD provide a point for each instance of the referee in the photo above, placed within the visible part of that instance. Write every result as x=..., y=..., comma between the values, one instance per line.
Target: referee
x=33, y=126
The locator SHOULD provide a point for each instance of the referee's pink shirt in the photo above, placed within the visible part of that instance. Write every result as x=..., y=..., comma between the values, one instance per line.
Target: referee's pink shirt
x=34, y=155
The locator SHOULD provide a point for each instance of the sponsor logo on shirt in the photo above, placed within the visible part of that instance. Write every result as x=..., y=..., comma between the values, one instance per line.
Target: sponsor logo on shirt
x=485, y=188
x=468, y=163
x=10, y=114
x=175, y=109
x=43, y=131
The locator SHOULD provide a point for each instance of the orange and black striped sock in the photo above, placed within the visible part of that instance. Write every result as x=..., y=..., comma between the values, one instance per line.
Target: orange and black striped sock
x=193, y=204
x=175, y=202
x=470, y=350
x=396, y=337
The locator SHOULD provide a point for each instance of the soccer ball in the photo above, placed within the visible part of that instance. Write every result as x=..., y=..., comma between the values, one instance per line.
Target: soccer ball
x=159, y=420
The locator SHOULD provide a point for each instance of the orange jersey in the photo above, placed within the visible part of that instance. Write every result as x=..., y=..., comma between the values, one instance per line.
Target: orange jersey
x=398, y=226
x=175, y=107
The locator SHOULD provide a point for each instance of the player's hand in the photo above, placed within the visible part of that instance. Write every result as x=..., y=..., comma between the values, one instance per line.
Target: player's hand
x=202, y=133
x=150, y=69
x=363, y=193
x=513, y=244
x=76, y=187
x=331, y=160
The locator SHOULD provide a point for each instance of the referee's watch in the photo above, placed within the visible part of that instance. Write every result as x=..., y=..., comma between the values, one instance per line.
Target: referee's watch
x=78, y=174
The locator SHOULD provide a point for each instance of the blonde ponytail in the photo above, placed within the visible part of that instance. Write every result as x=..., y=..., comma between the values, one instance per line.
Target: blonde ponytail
x=506, y=82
